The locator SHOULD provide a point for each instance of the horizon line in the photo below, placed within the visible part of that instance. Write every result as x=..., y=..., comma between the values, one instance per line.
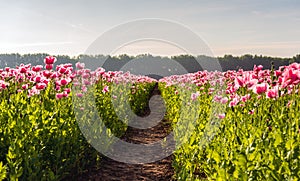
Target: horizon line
x=138, y=54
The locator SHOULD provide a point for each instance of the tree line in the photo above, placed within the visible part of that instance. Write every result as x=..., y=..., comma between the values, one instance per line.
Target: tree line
x=189, y=62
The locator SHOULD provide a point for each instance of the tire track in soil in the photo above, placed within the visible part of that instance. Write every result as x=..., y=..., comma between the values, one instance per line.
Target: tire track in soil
x=111, y=170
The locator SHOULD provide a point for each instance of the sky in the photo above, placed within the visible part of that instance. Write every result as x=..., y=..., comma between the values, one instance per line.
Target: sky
x=236, y=27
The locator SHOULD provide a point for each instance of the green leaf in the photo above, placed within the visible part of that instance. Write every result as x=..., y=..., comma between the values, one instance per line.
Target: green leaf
x=289, y=144
x=241, y=161
x=216, y=156
x=278, y=139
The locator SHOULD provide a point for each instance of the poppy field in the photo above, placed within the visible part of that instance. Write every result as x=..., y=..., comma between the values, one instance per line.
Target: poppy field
x=244, y=125
x=40, y=138
x=247, y=124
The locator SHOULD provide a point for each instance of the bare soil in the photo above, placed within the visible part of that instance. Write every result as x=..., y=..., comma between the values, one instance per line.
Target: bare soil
x=111, y=170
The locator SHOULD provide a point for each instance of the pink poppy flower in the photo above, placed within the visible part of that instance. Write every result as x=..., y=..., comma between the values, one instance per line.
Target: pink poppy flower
x=278, y=73
x=194, y=96
x=83, y=88
x=245, y=97
x=224, y=100
x=3, y=84
x=37, y=79
x=37, y=68
x=217, y=98
x=79, y=95
x=46, y=81
x=23, y=70
x=63, y=82
x=80, y=65
x=68, y=90
x=47, y=74
x=105, y=89
x=62, y=70
x=85, y=75
x=234, y=102
x=57, y=88
x=65, y=94
x=260, y=88
x=33, y=91
x=86, y=82
x=289, y=104
x=40, y=86
x=221, y=116
x=59, y=95
x=252, y=83
x=258, y=68
x=54, y=75
x=25, y=86
x=49, y=60
x=272, y=93
x=239, y=81
x=251, y=111
x=49, y=66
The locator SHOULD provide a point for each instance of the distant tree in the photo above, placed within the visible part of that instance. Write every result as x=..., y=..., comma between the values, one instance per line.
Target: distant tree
x=189, y=62
x=296, y=58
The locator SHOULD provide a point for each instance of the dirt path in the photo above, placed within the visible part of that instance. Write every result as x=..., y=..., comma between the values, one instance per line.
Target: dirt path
x=117, y=171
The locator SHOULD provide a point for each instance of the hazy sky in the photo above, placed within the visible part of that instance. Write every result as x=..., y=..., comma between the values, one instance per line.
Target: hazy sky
x=268, y=27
